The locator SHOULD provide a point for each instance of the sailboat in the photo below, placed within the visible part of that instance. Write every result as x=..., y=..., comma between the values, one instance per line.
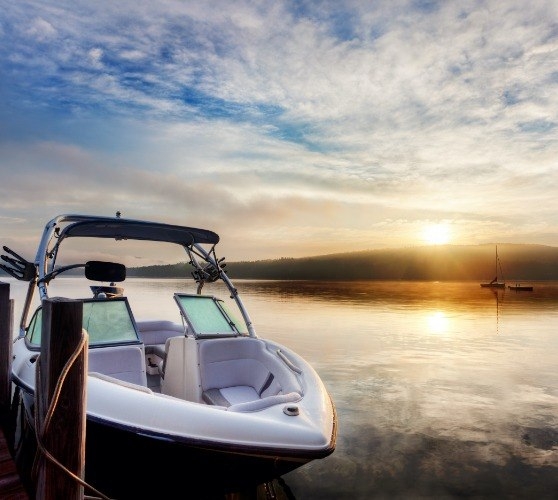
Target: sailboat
x=495, y=283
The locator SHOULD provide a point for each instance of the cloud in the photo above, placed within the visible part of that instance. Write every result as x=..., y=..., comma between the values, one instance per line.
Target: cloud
x=277, y=113
x=41, y=30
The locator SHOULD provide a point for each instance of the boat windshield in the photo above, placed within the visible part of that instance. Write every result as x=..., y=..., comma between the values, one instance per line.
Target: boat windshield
x=208, y=316
x=107, y=322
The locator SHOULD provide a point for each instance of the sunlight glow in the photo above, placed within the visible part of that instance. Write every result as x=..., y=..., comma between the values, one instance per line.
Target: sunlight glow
x=438, y=322
x=436, y=234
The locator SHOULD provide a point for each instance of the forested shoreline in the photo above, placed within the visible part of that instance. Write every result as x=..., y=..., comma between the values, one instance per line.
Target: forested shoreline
x=444, y=262
x=519, y=262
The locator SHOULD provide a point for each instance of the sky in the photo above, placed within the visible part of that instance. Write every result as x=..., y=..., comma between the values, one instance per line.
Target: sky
x=290, y=128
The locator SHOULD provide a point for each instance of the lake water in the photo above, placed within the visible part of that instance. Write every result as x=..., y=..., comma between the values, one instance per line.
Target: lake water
x=442, y=390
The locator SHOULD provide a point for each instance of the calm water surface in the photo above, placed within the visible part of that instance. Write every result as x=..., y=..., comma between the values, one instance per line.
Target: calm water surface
x=443, y=390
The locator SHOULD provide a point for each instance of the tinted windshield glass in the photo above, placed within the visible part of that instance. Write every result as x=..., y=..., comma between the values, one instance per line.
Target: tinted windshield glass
x=205, y=315
x=107, y=321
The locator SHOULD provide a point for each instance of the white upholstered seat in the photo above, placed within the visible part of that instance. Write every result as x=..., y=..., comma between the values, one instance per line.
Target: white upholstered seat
x=240, y=373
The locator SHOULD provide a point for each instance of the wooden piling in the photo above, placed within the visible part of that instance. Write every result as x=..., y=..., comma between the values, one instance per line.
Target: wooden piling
x=6, y=340
x=10, y=483
x=64, y=438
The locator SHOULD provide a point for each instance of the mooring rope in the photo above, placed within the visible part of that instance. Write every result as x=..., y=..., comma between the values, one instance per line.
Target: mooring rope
x=41, y=432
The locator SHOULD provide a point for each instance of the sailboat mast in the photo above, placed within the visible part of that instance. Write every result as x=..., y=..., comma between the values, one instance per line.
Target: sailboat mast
x=496, y=263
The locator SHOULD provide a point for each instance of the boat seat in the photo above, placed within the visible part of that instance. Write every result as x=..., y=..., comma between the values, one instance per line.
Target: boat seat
x=242, y=375
x=154, y=334
x=125, y=362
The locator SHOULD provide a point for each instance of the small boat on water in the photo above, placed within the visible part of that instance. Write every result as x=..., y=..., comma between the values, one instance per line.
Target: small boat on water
x=171, y=405
x=495, y=283
x=521, y=288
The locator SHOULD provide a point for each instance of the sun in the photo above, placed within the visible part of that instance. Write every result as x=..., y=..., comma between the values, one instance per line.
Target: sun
x=436, y=234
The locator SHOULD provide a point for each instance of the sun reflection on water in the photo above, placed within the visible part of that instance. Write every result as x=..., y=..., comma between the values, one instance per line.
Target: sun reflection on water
x=438, y=322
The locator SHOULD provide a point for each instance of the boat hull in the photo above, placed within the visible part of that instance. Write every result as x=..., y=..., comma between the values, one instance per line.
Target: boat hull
x=136, y=456
x=125, y=463
x=134, y=433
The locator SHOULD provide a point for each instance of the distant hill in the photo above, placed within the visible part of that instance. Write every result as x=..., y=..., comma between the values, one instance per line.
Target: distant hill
x=443, y=262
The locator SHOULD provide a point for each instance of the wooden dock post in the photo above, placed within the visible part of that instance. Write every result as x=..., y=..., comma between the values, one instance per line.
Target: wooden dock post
x=10, y=482
x=64, y=438
x=6, y=340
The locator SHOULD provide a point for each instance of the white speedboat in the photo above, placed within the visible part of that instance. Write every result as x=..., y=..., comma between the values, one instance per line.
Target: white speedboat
x=203, y=402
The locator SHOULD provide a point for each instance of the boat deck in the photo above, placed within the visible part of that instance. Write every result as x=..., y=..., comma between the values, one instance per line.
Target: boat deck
x=10, y=483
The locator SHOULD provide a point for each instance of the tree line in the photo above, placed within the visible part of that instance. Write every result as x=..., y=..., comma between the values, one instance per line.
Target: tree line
x=519, y=262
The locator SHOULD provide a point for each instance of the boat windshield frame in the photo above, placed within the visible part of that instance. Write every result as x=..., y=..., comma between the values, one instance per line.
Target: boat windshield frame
x=199, y=245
